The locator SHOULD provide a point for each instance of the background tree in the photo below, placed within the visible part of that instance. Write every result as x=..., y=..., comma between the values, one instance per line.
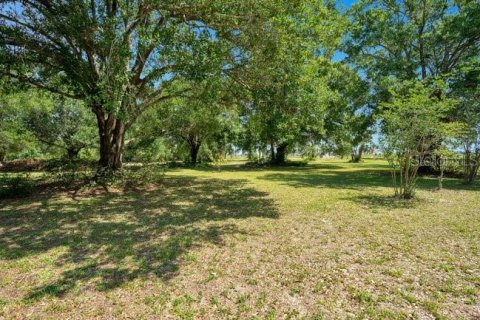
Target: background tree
x=66, y=125
x=16, y=140
x=288, y=92
x=414, y=39
x=467, y=90
x=350, y=115
x=391, y=41
x=198, y=120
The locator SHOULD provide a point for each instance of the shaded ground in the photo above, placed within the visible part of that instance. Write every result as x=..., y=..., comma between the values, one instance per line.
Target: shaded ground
x=321, y=241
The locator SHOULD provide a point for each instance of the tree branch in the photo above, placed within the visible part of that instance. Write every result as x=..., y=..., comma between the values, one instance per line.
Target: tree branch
x=42, y=85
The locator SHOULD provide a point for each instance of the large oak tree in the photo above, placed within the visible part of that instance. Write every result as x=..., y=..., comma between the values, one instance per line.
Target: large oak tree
x=121, y=56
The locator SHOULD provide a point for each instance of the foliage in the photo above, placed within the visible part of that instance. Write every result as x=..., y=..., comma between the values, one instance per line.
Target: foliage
x=205, y=121
x=411, y=124
x=67, y=126
x=309, y=152
x=286, y=80
x=201, y=125
x=467, y=89
x=195, y=81
x=15, y=138
x=350, y=115
x=412, y=39
x=121, y=57
x=147, y=148
x=394, y=41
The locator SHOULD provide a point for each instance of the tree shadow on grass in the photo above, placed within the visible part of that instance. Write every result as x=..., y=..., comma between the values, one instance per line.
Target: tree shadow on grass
x=248, y=167
x=356, y=180
x=389, y=202
x=112, y=239
x=431, y=183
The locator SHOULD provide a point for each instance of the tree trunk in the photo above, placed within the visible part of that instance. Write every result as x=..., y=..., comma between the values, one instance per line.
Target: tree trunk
x=194, y=148
x=425, y=168
x=357, y=156
x=281, y=153
x=195, y=144
x=272, y=153
x=440, y=178
x=471, y=166
x=112, y=138
x=72, y=153
x=472, y=175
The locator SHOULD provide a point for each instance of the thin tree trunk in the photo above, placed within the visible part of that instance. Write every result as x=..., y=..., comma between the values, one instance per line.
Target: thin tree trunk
x=272, y=153
x=194, y=148
x=422, y=41
x=440, y=178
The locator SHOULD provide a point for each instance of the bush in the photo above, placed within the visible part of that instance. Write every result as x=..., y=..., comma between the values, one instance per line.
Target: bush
x=309, y=153
x=67, y=172
x=130, y=177
x=406, y=144
x=17, y=186
x=144, y=175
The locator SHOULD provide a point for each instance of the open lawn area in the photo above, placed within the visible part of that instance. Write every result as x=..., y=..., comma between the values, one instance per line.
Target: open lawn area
x=321, y=241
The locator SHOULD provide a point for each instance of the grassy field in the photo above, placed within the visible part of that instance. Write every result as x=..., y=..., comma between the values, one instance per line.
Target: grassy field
x=323, y=241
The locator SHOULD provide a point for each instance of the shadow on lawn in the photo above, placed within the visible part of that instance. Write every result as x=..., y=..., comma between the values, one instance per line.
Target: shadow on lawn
x=358, y=180
x=389, y=202
x=248, y=167
x=114, y=238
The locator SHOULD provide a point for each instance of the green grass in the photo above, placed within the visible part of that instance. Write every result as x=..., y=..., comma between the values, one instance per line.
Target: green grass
x=322, y=241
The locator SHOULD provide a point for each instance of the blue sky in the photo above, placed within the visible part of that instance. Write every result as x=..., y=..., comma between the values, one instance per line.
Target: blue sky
x=345, y=3
x=342, y=5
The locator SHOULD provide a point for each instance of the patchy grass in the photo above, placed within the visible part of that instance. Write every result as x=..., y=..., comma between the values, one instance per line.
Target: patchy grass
x=322, y=241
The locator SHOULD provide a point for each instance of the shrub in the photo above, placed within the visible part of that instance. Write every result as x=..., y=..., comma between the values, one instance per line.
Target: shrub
x=130, y=177
x=144, y=175
x=67, y=172
x=412, y=127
